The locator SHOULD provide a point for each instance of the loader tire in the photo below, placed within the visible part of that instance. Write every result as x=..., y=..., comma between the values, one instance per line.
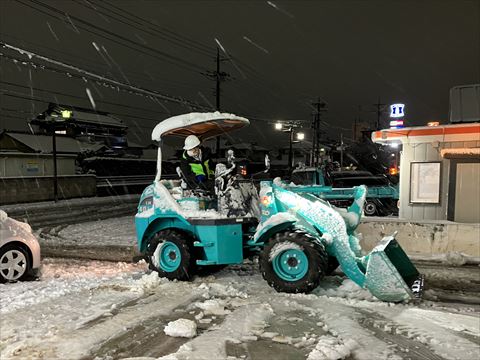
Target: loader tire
x=293, y=262
x=170, y=253
x=332, y=265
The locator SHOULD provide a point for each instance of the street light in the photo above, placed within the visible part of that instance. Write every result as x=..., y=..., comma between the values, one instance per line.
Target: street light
x=290, y=129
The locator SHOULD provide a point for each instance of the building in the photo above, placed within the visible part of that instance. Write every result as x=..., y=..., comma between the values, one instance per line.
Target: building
x=439, y=171
x=26, y=168
x=32, y=155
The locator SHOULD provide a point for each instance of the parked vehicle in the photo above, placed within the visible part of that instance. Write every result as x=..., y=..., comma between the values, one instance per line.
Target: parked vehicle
x=382, y=196
x=19, y=250
x=299, y=237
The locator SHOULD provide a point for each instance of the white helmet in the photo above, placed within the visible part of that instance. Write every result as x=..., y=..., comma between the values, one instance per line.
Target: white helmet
x=191, y=142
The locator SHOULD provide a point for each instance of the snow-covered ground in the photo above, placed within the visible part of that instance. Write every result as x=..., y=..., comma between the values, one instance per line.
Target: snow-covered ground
x=83, y=309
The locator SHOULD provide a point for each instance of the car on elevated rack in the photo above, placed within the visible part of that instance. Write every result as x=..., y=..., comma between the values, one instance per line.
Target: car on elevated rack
x=19, y=250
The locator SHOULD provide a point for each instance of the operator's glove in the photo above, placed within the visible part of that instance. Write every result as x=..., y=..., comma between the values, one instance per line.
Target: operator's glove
x=200, y=178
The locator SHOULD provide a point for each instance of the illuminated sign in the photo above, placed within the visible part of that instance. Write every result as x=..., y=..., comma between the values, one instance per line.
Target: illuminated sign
x=433, y=123
x=397, y=110
x=396, y=123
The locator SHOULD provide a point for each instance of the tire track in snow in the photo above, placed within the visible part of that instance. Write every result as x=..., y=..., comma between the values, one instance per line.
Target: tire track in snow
x=392, y=333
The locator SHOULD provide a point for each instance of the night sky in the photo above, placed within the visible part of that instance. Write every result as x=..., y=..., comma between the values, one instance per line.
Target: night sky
x=282, y=55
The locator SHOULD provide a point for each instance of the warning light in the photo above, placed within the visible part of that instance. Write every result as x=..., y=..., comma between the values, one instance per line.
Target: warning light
x=433, y=123
x=266, y=200
x=393, y=170
x=66, y=114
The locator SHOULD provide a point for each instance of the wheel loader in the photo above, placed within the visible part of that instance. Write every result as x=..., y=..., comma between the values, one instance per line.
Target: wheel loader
x=298, y=237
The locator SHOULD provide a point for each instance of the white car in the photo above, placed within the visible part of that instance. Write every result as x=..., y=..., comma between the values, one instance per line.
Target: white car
x=19, y=250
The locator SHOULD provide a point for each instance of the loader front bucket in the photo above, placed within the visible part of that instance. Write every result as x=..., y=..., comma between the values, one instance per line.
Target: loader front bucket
x=390, y=275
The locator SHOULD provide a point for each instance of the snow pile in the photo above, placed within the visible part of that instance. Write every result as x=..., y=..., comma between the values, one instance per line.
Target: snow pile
x=3, y=216
x=213, y=307
x=221, y=290
x=181, y=328
x=455, y=258
x=331, y=348
x=237, y=327
x=348, y=289
x=149, y=282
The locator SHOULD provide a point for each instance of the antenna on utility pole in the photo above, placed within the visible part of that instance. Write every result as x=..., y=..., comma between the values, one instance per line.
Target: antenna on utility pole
x=380, y=108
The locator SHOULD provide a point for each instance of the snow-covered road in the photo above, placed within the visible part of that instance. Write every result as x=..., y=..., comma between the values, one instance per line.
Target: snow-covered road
x=84, y=309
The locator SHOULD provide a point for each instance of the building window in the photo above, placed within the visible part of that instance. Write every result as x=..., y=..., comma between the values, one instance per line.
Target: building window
x=425, y=182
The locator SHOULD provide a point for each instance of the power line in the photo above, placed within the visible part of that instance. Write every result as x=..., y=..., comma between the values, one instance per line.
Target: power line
x=93, y=64
x=18, y=95
x=123, y=40
x=82, y=98
x=86, y=73
x=156, y=32
x=199, y=45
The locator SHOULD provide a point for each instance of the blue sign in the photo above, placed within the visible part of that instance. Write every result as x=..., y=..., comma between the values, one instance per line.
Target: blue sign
x=397, y=110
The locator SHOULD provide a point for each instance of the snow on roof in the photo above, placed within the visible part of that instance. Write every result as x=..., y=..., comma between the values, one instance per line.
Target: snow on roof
x=85, y=116
x=204, y=125
x=460, y=153
x=43, y=143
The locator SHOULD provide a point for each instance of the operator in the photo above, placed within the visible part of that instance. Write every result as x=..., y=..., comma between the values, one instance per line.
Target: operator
x=196, y=164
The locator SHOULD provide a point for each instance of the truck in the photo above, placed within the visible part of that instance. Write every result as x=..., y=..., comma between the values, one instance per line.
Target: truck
x=382, y=196
x=298, y=237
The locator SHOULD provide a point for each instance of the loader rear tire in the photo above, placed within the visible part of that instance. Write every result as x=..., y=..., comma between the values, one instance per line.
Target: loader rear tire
x=170, y=253
x=293, y=262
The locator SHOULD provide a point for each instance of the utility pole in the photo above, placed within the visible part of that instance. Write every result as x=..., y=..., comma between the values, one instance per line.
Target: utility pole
x=55, y=175
x=290, y=151
x=218, y=79
x=341, y=151
x=320, y=106
x=218, y=76
x=380, y=108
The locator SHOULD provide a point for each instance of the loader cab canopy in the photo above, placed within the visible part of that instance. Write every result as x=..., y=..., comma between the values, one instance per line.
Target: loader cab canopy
x=203, y=125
